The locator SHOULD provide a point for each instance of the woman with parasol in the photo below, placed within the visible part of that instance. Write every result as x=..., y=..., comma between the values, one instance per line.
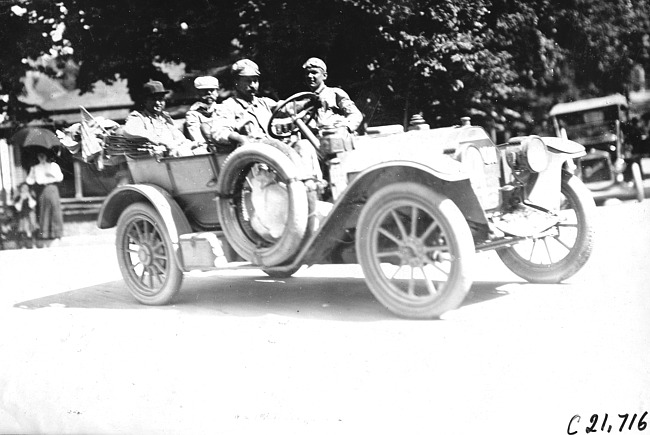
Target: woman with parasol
x=43, y=176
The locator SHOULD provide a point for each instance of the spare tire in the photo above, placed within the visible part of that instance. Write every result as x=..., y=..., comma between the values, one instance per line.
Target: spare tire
x=263, y=204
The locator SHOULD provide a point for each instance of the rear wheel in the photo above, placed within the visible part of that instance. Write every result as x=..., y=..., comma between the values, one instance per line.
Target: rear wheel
x=564, y=249
x=415, y=249
x=145, y=255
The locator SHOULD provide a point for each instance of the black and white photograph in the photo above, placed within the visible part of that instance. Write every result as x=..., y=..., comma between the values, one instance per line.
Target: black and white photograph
x=324, y=217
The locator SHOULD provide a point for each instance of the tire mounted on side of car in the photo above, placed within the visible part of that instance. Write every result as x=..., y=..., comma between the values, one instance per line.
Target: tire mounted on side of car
x=234, y=204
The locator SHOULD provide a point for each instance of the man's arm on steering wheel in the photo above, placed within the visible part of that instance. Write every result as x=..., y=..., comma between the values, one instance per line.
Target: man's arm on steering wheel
x=300, y=107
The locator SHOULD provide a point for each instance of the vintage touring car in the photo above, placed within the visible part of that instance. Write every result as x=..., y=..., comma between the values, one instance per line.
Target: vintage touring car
x=611, y=168
x=411, y=207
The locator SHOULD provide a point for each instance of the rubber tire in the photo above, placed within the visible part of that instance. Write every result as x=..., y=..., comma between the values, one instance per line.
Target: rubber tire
x=140, y=212
x=232, y=173
x=578, y=194
x=458, y=236
x=637, y=178
x=281, y=274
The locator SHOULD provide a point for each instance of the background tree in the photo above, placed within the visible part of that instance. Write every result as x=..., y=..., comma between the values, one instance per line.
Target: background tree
x=24, y=32
x=497, y=60
x=400, y=57
x=596, y=45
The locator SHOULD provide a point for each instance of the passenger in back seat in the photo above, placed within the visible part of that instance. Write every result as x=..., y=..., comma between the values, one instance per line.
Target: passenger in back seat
x=154, y=124
x=203, y=111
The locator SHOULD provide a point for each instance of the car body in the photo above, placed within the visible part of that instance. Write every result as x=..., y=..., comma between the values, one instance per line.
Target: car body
x=609, y=169
x=411, y=207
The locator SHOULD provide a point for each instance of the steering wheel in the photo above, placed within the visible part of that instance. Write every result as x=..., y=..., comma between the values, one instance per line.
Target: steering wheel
x=301, y=106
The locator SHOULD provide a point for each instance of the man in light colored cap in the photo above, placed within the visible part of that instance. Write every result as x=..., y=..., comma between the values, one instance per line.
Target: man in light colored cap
x=156, y=125
x=337, y=107
x=314, y=62
x=202, y=112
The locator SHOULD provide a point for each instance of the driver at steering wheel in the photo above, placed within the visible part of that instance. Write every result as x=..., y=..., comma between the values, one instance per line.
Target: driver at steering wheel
x=245, y=116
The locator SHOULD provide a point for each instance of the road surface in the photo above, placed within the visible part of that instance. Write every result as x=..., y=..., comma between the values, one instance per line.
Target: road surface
x=244, y=353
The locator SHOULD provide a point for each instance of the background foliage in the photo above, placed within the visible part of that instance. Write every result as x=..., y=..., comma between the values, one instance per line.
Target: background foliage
x=497, y=60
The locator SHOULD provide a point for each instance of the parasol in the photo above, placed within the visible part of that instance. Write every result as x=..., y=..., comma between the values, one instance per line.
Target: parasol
x=34, y=140
x=35, y=136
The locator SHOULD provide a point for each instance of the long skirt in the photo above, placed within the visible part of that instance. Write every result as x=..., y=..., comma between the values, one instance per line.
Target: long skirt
x=50, y=214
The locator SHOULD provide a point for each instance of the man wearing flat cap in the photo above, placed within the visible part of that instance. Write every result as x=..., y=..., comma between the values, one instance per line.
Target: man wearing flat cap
x=245, y=117
x=203, y=111
x=154, y=124
x=337, y=109
x=244, y=114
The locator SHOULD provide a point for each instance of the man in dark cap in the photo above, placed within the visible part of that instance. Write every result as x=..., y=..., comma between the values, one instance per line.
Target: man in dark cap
x=337, y=109
x=245, y=116
x=154, y=124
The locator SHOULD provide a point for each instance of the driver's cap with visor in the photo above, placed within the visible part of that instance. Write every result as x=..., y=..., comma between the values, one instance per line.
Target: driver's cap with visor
x=314, y=62
x=245, y=67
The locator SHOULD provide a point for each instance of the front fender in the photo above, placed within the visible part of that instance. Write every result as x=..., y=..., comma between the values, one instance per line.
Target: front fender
x=447, y=178
x=545, y=190
x=570, y=149
x=160, y=199
x=345, y=213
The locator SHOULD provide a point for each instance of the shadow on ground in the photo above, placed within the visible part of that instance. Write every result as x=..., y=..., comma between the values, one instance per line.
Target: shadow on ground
x=346, y=299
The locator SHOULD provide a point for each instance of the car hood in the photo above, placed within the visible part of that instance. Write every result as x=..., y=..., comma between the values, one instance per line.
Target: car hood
x=432, y=148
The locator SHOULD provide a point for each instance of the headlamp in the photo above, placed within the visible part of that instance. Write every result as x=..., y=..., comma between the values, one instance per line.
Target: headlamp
x=531, y=154
x=472, y=160
x=535, y=153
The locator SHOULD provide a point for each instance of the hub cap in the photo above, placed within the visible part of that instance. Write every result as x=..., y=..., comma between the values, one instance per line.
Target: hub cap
x=146, y=255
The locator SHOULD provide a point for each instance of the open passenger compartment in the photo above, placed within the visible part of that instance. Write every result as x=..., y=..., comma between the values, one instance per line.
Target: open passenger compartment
x=191, y=180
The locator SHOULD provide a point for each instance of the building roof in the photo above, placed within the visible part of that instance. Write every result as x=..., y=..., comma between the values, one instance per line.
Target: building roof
x=108, y=100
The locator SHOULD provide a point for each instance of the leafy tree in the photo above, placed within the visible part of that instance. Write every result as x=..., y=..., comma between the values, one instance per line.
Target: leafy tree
x=23, y=32
x=114, y=39
x=608, y=43
x=497, y=60
x=437, y=57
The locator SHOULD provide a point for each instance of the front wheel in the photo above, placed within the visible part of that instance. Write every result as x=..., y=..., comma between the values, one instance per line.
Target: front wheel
x=415, y=249
x=145, y=255
x=564, y=249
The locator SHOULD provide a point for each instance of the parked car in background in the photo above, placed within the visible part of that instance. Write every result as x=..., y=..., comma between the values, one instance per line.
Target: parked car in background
x=612, y=167
x=410, y=207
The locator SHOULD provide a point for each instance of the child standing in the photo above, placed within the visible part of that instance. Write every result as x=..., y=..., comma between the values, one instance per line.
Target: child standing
x=7, y=226
x=25, y=205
